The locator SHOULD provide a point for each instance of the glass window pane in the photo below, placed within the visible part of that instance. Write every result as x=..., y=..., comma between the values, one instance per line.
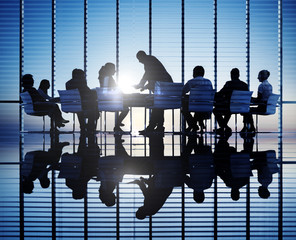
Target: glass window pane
x=9, y=48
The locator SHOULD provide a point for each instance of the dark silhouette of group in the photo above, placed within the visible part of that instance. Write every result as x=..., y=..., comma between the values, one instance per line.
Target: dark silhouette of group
x=154, y=72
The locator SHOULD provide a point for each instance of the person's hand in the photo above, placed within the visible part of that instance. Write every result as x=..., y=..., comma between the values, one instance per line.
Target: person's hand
x=144, y=88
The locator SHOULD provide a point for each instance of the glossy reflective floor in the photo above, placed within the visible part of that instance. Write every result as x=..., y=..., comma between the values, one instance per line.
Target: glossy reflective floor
x=70, y=186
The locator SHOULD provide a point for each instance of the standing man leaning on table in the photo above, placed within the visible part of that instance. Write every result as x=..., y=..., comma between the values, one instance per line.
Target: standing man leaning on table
x=154, y=71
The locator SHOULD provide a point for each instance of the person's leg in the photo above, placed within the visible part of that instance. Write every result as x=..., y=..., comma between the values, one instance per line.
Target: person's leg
x=198, y=121
x=226, y=119
x=92, y=117
x=123, y=115
x=159, y=118
x=220, y=119
x=189, y=119
x=54, y=112
x=120, y=118
x=154, y=119
x=248, y=123
x=82, y=121
x=187, y=115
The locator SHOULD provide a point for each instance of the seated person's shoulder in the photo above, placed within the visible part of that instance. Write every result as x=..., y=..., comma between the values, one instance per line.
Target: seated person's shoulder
x=69, y=85
x=246, y=87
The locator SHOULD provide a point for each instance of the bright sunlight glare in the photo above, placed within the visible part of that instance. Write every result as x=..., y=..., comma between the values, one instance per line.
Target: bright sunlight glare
x=126, y=82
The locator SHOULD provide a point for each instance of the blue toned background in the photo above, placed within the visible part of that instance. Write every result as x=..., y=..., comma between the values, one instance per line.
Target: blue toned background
x=49, y=38
x=112, y=36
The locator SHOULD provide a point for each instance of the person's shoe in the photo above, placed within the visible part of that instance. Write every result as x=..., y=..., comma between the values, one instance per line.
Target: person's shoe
x=195, y=128
x=59, y=125
x=228, y=130
x=65, y=121
x=145, y=131
x=148, y=129
x=252, y=129
x=117, y=129
x=219, y=131
x=187, y=130
x=244, y=129
x=63, y=144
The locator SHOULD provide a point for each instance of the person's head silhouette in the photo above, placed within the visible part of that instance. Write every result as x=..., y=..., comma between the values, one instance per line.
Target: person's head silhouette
x=141, y=56
x=141, y=213
x=27, y=186
x=44, y=182
x=44, y=84
x=235, y=194
x=110, y=69
x=108, y=198
x=263, y=192
x=234, y=74
x=263, y=75
x=198, y=71
x=77, y=194
x=27, y=81
x=78, y=74
x=199, y=196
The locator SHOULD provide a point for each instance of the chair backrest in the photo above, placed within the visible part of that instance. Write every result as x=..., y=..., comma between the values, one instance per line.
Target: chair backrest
x=240, y=101
x=167, y=95
x=201, y=100
x=70, y=166
x=27, y=103
x=109, y=100
x=271, y=104
x=240, y=165
x=29, y=106
x=70, y=100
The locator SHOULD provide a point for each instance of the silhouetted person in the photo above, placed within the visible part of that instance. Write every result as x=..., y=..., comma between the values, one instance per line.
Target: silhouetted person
x=107, y=81
x=201, y=83
x=222, y=101
x=43, y=91
x=232, y=167
x=264, y=91
x=110, y=173
x=265, y=163
x=80, y=167
x=40, y=103
x=154, y=197
x=201, y=168
x=168, y=173
x=37, y=164
x=154, y=71
x=88, y=101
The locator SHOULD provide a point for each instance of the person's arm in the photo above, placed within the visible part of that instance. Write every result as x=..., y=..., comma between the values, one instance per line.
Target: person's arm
x=258, y=99
x=186, y=88
x=141, y=84
x=43, y=94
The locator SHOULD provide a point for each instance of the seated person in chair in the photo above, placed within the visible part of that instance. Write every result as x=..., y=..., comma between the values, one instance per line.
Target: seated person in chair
x=264, y=91
x=222, y=100
x=43, y=91
x=40, y=103
x=106, y=80
x=88, y=99
x=201, y=83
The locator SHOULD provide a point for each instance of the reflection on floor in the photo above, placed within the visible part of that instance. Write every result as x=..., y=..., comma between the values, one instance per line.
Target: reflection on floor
x=136, y=187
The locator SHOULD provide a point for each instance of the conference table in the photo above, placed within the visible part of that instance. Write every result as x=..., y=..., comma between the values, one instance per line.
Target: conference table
x=138, y=100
